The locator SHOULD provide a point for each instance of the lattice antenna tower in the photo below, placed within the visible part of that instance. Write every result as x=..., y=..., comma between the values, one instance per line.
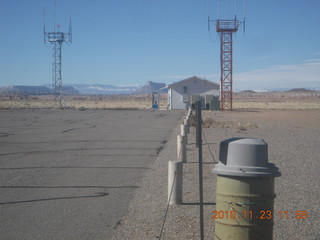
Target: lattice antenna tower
x=226, y=27
x=56, y=39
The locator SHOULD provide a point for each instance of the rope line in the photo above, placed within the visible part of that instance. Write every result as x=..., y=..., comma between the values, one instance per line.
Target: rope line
x=179, y=156
x=165, y=216
x=205, y=139
x=240, y=203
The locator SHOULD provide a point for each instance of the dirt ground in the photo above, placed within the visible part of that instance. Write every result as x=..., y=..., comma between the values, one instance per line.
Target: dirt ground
x=123, y=101
x=293, y=143
x=276, y=100
x=287, y=118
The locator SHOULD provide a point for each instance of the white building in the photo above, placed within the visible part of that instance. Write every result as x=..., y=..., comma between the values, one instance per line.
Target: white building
x=180, y=93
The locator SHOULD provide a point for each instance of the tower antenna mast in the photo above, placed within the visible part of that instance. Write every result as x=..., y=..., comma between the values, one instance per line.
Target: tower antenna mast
x=225, y=28
x=56, y=39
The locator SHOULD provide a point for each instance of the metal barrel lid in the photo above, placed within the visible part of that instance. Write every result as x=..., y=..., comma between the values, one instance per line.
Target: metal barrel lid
x=247, y=157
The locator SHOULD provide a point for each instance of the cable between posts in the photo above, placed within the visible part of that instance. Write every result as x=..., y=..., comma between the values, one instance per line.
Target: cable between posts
x=205, y=139
x=165, y=216
x=167, y=208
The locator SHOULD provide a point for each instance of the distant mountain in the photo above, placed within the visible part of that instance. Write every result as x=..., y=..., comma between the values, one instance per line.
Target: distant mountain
x=247, y=91
x=69, y=90
x=150, y=87
x=92, y=89
x=282, y=90
x=300, y=90
x=36, y=90
x=293, y=89
x=97, y=89
x=26, y=90
x=103, y=89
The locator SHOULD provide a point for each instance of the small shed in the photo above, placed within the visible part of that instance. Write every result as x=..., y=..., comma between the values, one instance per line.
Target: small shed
x=181, y=94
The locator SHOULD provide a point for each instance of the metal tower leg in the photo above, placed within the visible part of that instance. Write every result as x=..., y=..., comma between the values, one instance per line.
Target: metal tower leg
x=56, y=71
x=226, y=69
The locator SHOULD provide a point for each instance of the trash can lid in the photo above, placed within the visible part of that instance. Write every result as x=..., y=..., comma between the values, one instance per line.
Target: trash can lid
x=245, y=157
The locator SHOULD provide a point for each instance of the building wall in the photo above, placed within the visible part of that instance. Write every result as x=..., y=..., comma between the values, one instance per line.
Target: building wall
x=182, y=90
x=177, y=100
x=169, y=99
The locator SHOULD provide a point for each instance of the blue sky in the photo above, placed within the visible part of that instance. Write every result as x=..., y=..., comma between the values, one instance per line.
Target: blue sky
x=129, y=42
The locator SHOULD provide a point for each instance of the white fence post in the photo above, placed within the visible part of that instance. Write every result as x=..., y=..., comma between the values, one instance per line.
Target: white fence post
x=184, y=132
x=181, y=149
x=175, y=182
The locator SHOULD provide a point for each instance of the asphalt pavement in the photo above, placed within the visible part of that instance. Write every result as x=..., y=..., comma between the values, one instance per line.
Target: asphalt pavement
x=68, y=174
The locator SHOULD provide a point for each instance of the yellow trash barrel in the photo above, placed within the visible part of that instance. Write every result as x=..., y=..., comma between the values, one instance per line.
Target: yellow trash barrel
x=245, y=190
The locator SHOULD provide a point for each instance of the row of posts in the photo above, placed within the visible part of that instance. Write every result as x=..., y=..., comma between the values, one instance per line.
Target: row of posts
x=175, y=168
x=245, y=185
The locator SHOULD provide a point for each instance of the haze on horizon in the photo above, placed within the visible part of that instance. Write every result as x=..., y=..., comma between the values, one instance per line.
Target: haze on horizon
x=132, y=42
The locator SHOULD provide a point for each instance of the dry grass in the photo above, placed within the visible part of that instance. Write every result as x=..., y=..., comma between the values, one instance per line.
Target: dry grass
x=83, y=102
x=288, y=104
x=277, y=100
x=144, y=102
x=210, y=122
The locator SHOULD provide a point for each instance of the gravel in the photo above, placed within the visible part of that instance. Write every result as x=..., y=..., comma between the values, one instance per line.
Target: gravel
x=293, y=142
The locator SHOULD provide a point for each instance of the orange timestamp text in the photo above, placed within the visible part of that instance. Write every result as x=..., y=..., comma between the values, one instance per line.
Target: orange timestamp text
x=263, y=214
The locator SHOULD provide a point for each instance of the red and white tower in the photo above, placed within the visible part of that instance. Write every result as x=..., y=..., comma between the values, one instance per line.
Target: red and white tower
x=225, y=28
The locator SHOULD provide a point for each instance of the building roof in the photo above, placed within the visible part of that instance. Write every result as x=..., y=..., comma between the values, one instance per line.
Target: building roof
x=192, y=78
